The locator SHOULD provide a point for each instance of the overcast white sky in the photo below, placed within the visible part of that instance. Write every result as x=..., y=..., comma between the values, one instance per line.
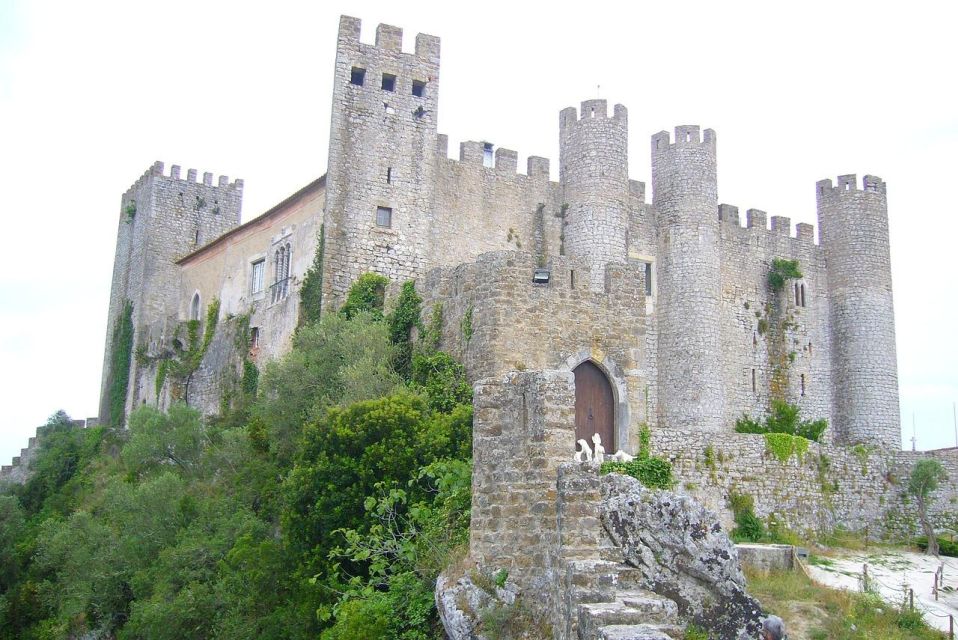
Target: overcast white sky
x=91, y=93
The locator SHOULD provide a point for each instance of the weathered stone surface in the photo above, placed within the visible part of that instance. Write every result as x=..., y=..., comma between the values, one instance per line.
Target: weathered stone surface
x=683, y=554
x=461, y=604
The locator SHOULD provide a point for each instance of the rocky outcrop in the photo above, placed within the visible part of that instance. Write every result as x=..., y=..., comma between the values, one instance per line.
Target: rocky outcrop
x=462, y=604
x=682, y=553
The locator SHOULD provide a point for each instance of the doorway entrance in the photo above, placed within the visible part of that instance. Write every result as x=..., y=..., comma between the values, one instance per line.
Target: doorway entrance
x=594, y=405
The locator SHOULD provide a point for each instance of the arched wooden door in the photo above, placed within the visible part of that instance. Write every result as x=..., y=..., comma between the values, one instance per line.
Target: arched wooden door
x=594, y=406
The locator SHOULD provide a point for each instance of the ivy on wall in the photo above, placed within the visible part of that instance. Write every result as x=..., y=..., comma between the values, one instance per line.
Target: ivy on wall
x=121, y=355
x=311, y=292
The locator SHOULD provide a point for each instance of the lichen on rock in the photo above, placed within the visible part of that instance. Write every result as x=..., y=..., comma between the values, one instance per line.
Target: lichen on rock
x=683, y=554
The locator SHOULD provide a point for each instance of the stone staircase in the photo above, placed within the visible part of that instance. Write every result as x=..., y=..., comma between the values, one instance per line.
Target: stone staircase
x=605, y=603
x=602, y=596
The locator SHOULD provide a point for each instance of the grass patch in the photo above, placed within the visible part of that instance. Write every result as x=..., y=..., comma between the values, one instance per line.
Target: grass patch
x=816, y=612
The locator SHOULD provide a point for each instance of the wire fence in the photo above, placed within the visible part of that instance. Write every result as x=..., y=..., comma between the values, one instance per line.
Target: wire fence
x=869, y=583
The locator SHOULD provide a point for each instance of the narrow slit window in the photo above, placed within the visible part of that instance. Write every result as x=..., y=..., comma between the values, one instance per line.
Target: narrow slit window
x=798, y=299
x=195, y=307
x=418, y=88
x=803, y=385
x=389, y=175
x=253, y=337
x=803, y=295
x=648, y=279
x=572, y=279
x=753, y=380
x=357, y=76
x=389, y=82
x=384, y=217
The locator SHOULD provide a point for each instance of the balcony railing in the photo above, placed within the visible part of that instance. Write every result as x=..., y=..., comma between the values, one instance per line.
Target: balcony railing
x=279, y=290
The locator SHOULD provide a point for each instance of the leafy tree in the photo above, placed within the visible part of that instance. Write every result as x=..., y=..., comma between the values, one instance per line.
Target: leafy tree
x=347, y=453
x=924, y=480
x=442, y=379
x=176, y=438
x=336, y=361
x=367, y=294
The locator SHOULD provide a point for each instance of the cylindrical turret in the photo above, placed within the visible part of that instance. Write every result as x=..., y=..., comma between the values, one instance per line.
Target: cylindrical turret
x=689, y=360
x=594, y=172
x=853, y=225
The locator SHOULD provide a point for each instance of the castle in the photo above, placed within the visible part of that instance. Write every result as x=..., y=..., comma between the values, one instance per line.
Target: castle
x=621, y=310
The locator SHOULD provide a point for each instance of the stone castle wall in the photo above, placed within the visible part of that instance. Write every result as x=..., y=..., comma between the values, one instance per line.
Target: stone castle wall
x=861, y=489
x=517, y=324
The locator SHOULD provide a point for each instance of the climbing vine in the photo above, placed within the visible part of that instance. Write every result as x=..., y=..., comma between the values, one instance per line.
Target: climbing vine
x=121, y=355
x=465, y=325
x=784, y=445
x=311, y=292
x=562, y=214
x=402, y=320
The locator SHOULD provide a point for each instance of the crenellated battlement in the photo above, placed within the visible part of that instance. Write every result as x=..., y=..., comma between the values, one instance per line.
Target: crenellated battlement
x=685, y=135
x=156, y=170
x=389, y=39
x=472, y=153
x=849, y=184
x=756, y=221
x=592, y=111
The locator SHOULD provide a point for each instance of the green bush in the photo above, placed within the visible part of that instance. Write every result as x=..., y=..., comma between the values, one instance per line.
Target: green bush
x=651, y=471
x=946, y=546
x=781, y=271
x=368, y=294
x=748, y=526
x=442, y=379
x=401, y=323
x=783, y=418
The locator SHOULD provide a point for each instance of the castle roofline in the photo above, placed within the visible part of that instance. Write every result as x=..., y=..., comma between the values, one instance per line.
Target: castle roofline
x=268, y=215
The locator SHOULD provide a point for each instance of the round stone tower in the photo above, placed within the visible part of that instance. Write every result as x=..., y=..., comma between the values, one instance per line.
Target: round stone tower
x=853, y=224
x=685, y=198
x=594, y=172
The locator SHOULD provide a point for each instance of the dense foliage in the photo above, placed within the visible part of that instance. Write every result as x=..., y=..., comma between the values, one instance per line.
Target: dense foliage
x=782, y=270
x=325, y=508
x=783, y=418
x=652, y=471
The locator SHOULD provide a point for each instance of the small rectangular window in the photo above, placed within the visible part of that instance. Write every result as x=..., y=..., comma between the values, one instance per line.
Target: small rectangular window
x=384, y=216
x=389, y=82
x=256, y=280
x=418, y=88
x=648, y=279
x=358, y=76
x=487, y=158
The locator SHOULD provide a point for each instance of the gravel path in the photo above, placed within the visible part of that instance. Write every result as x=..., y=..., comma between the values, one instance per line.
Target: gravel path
x=891, y=574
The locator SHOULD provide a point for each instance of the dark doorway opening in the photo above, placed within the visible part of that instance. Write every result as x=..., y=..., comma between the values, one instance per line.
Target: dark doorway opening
x=594, y=406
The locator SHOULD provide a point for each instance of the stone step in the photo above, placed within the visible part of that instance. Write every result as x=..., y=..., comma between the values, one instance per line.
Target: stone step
x=637, y=632
x=650, y=610
x=603, y=573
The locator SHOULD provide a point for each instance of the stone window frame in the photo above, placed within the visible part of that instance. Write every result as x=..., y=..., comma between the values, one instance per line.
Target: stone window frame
x=257, y=259
x=421, y=86
x=384, y=213
x=390, y=79
x=357, y=73
x=195, y=306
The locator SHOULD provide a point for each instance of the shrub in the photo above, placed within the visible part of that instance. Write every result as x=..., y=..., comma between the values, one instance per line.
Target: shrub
x=367, y=294
x=653, y=472
x=783, y=418
x=748, y=527
x=781, y=271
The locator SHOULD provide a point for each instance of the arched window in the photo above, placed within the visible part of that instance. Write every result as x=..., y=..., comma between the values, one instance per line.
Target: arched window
x=281, y=272
x=195, y=307
x=803, y=295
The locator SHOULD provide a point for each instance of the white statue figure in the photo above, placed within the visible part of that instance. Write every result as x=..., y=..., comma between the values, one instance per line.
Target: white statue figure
x=585, y=455
x=622, y=456
x=599, y=449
